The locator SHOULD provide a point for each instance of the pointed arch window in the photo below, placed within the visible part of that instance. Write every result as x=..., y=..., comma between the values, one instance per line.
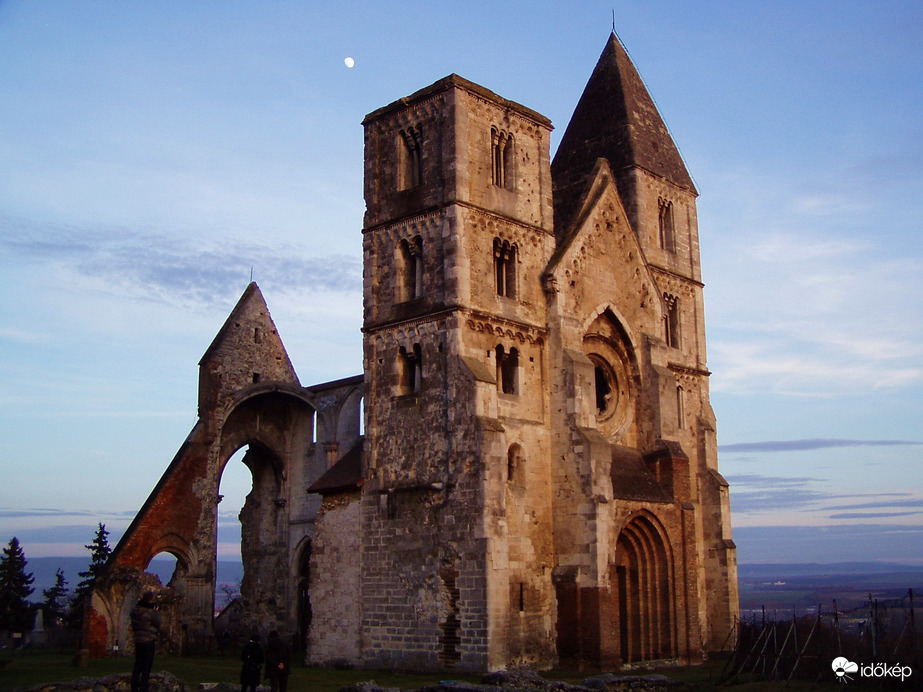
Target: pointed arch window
x=505, y=268
x=410, y=370
x=671, y=320
x=666, y=227
x=507, y=370
x=680, y=408
x=501, y=158
x=410, y=269
x=411, y=158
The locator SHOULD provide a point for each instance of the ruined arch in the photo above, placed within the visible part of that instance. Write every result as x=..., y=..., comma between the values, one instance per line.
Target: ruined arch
x=644, y=591
x=275, y=428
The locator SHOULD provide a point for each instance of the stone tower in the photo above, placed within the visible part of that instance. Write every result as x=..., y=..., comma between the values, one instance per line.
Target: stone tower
x=457, y=232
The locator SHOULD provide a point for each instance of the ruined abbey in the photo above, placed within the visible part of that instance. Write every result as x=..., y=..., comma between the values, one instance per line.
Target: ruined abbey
x=525, y=472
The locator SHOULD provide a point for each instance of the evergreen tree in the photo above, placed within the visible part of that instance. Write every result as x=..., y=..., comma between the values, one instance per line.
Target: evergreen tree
x=55, y=603
x=15, y=589
x=99, y=556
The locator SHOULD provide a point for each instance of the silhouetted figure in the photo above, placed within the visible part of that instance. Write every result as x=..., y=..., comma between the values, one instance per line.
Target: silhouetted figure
x=145, y=624
x=252, y=657
x=278, y=662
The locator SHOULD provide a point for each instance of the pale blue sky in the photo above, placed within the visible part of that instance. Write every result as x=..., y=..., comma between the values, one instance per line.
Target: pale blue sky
x=152, y=154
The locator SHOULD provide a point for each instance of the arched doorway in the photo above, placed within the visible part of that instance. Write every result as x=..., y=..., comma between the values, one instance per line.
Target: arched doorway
x=645, y=604
x=263, y=540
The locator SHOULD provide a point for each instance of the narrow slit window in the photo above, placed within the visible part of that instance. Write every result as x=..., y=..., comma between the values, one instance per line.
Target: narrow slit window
x=501, y=158
x=671, y=320
x=507, y=370
x=410, y=370
x=505, y=268
x=665, y=223
x=410, y=271
x=411, y=159
x=680, y=408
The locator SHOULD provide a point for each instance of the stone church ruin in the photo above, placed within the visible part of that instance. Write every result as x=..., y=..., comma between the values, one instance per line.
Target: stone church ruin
x=536, y=480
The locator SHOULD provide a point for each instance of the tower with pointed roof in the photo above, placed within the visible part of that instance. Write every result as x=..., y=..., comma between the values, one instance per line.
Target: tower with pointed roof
x=536, y=383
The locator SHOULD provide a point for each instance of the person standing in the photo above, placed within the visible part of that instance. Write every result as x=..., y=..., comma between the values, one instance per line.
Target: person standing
x=278, y=662
x=145, y=624
x=252, y=656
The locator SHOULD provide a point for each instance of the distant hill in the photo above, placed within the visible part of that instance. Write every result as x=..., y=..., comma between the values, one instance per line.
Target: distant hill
x=43, y=569
x=803, y=587
x=781, y=585
x=814, y=568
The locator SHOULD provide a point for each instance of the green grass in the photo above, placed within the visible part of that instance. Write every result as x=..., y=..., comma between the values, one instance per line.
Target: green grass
x=26, y=669
x=29, y=668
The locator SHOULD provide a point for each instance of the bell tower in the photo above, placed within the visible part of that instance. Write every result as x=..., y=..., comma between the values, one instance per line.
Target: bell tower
x=457, y=232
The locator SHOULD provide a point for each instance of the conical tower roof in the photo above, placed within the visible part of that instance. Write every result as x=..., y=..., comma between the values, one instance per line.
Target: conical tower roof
x=615, y=119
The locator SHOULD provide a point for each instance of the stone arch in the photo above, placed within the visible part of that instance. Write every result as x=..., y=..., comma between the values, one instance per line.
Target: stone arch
x=643, y=590
x=274, y=428
x=349, y=424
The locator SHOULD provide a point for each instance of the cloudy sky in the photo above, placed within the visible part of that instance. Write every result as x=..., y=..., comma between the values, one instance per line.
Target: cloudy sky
x=154, y=156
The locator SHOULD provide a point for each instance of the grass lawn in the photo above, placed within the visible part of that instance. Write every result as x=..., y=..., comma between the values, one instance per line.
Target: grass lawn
x=29, y=668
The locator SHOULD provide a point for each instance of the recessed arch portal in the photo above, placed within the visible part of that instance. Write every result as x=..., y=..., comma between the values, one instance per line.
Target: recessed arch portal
x=644, y=593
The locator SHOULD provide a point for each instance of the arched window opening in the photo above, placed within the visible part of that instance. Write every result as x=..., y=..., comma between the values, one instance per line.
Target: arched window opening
x=410, y=271
x=505, y=268
x=236, y=484
x=507, y=370
x=501, y=157
x=410, y=369
x=411, y=158
x=165, y=566
x=671, y=320
x=680, y=409
x=665, y=223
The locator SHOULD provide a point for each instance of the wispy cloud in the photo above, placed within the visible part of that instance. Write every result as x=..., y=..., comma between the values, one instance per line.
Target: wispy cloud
x=162, y=266
x=871, y=515
x=812, y=302
x=810, y=444
x=753, y=493
x=45, y=512
x=912, y=502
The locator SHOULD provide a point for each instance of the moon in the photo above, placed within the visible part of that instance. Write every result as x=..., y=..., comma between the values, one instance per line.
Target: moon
x=350, y=63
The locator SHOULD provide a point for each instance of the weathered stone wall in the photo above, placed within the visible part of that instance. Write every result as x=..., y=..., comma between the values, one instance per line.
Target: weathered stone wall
x=336, y=602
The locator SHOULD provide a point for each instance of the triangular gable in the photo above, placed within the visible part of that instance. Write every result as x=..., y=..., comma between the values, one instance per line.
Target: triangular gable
x=618, y=274
x=247, y=349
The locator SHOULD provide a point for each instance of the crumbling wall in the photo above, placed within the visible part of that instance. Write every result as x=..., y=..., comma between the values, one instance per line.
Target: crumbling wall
x=334, y=637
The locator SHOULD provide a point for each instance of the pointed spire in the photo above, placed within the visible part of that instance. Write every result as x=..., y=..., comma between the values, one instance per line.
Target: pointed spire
x=615, y=119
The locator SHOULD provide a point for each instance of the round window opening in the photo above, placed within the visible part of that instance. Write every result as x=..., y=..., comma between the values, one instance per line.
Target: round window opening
x=607, y=392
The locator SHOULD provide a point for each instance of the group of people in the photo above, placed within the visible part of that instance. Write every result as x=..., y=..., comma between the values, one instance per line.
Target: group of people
x=278, y=660
x=146, y=625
